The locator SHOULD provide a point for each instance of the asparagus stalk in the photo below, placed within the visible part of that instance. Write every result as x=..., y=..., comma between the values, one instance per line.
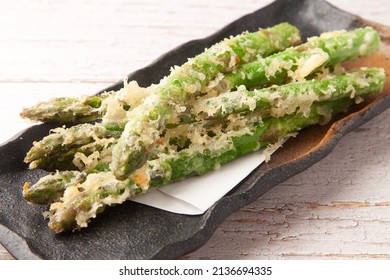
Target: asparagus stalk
x=85, y=158
x=67, y=109
x=112, y=105
x=298, y=62
x=84, y=201
x=285, y=99
x=62, y=139
x=51, y=187
x=148, y=120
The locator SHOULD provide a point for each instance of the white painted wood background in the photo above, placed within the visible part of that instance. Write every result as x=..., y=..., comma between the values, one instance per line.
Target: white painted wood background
x=338, y=208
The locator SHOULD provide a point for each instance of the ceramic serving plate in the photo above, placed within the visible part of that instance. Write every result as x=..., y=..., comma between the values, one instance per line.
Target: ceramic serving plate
x=134, y=231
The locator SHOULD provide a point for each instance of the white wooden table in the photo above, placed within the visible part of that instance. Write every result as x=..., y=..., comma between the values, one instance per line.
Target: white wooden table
x=338, y=208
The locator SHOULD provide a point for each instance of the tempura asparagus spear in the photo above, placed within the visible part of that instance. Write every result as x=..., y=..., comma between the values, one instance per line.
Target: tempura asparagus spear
x=113, y=105
x=298, y=62
x=51, y=187
x=286, y=99
x=67, y=109
x=147, y=122
x=83, y=158
x=62, y=139
x=84, y=201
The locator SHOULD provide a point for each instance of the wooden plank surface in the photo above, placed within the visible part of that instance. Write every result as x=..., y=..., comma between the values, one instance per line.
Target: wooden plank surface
x=338, y=208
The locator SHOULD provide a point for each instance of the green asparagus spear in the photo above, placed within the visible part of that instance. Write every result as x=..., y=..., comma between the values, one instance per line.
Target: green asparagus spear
x=51, y=187
x=113, y=105
x=298, y=62
x=148, y=120
x=84, y=158
x=84, y=201
x=63, y=139
x=286, y=99
x=67, y=109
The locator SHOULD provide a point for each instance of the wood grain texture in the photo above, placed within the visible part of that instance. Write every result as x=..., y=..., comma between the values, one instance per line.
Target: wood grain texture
x=338, y=208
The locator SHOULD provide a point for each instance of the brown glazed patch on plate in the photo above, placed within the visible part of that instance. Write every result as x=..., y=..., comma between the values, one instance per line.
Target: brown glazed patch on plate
x=317, y=137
